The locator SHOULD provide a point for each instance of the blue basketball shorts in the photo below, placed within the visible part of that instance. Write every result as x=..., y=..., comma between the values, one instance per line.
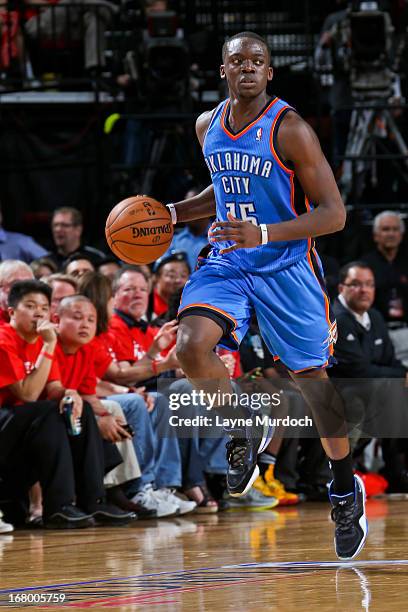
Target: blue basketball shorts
x=291, y=306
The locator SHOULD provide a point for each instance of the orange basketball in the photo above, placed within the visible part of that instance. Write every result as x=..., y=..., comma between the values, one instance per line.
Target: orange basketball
x=139, y=230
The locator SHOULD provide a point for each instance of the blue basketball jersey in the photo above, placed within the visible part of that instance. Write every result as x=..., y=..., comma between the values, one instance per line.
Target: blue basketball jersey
x=253, y=182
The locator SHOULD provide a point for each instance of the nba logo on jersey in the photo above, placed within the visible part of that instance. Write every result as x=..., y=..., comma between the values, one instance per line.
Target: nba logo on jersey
x=258, y=135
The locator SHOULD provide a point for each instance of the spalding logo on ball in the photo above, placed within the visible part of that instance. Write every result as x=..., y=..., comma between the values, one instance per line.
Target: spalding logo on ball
x=139, y=230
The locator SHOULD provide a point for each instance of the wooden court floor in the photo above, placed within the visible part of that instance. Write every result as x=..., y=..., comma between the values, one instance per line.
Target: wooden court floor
x=244, y=561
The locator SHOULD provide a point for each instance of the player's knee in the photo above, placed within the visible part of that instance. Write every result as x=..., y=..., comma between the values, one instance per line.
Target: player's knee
x=188, y=350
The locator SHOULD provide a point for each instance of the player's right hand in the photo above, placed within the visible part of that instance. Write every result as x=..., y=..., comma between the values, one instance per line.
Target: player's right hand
x=47, y=331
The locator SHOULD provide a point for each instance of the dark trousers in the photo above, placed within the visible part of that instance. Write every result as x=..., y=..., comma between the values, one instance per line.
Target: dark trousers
x=35, y=446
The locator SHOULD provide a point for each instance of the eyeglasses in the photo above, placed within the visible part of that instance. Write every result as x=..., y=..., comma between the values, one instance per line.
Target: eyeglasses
x=358, y=285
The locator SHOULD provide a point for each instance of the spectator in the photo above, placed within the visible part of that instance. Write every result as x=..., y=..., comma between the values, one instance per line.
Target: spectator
x=135, y=339
x=192, y=238
x=75, y=356
x=364, y=351
x=390, y=267
x=78, y=263
x=62, y=286
x=67, y=228
x=171, y=274
x=18, y=246
x=148, y=414
x=33, y=438
x=357, y=350
x=109, y=267
x=11, y=270
x=43, y=266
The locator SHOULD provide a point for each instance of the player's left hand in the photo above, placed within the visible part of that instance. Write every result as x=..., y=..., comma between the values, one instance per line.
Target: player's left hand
x=245, y=235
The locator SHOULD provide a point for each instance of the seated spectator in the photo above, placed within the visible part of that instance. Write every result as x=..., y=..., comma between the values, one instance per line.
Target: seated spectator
x=77, y=264
x=389, y=264
x=109, y=267
x=192, y=238
x=171, y=274
x=11, y=270
x=364, y=351
x=62, y=285
x=75, y=356
x=358, y=352
x=34, y=444
x=18, y=246
x=67, y=228
x=136, y=340
x=148, y=414
x=42, y=267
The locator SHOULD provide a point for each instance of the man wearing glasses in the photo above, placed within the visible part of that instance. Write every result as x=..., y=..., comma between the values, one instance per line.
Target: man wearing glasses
x=363, y=348
x=67, y=227
x=364, y=351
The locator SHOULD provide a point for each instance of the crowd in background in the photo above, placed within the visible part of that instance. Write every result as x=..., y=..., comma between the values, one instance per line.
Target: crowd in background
x=77, y=322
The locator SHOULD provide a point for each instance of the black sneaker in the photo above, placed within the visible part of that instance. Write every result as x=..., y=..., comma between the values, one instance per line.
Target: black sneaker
x=108, y=514
x=69, y=517
x=348, y=513
x=242, y=454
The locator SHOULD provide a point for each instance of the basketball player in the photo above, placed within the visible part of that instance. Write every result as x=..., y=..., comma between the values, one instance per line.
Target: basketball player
x=272, y=193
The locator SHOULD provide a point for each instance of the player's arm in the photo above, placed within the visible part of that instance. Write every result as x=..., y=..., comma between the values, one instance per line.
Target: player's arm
x=298, y=143
x=202, y=205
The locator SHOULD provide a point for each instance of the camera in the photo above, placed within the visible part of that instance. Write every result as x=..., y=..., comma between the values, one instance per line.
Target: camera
x=371, y=33
x=363, y=43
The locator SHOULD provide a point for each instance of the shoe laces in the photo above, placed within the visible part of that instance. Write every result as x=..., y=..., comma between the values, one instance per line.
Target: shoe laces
x=236, y=451
x=343, y=516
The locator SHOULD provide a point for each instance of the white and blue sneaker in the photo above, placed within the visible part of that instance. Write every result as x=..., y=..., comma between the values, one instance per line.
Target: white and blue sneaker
x=348, y=513
x=246, y=443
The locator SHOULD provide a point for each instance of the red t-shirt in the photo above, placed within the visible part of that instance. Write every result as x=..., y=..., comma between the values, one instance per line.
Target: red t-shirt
x=78, y=369
x=130, y=343
x=160, y=306
x=17, y=360
x=103, y=354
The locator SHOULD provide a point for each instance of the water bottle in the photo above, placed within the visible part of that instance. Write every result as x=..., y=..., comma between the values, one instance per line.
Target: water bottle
x=73, y=425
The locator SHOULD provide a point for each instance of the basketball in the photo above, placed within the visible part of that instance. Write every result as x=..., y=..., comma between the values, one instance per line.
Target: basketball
x=139, y=230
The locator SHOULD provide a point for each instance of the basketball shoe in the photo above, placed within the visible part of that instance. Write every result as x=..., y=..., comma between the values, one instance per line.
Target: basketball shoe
x=270, y=486
x=247, y=441
x=348, y=513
